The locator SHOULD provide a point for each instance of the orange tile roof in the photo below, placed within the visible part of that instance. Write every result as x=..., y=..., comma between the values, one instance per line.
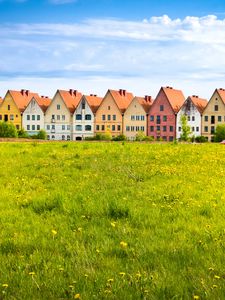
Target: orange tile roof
x=43, y=102
x=199, y=103
x=145, y=102
x=175, y=97
x=221, y=93
x=71, y=98
x=122, y=99
x=94, y=102
x=22, y=98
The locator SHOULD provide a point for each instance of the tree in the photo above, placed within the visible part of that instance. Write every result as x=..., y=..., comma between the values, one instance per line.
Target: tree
x=7, y=130
x=42, y=135
x=220, y=133
x=185, y=128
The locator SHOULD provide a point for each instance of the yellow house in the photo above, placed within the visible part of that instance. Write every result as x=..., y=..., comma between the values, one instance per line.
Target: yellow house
x=213, y=114
x=136, y=117
x=13, y=106
x=109, y=116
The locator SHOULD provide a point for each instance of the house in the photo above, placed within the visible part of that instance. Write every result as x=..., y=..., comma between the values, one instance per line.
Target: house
x=109, y=116
x=34, y=114
x=84, y=116
x=162, y=114
x=193, y=108
x=1, y=100
x=59, y=114
x=213, y=114
x=136, y=117
x=13, y=106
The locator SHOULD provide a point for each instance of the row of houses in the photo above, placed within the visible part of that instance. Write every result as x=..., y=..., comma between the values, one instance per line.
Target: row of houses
x=70, y=115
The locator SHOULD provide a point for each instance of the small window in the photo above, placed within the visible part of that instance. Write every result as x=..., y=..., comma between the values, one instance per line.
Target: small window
x=78, y=127
x=53, y=127
x=193, y=118
x=197, y=129
x=103, y=127
x=114, y=127
x=58, y=106
x=53, y=117
x=68, y=138
x=127, y=128
x=151, y=118
x=161, y=108
x=58, y=117
x=17, y=127
x=87, y=127
x=206, y=128
x=158, y=128
x=118, y=127
x=109, y=117
x=38, y=117
x=189, y=118
x=63, y=127
x=53, y=137
x=28, y=117
x=216, y=107
x=132, y=128
x=68, y=127
x=63, y=117
x=142, y=128
x=48, y=127
x=33, y=127
x=11, y=117
x=87, y=117
x=114, y=117
x=171, y=128
x=137, y=118
x=193, y=129
x=158, y=121
x=164, y=138
x=38, y=127
x=97, y=127
x=33, y=117
x=83, y=104
x=179, y=129
x=78, y=117
x=164, y=118
x=109, y=107
x=48, y=137
x=212, y=129
x=0, y=117
x=151, y=128
x=8, y=107
x=63, y=137
x=164, y=128
x=103, y=117
x=206, y=118
x=171, y=138
x=132, y=118
x=28, y=127
x=219, y=118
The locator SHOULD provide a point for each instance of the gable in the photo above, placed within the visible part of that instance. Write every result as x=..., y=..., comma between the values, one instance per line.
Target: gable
x=52, y=109
x=33, y=107
x=214, y=100
x=161, y=99
x=135, y=107
x=108, y=102
x=8, y=100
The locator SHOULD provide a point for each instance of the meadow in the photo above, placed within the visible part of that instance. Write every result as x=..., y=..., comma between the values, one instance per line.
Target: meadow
x=112, y=221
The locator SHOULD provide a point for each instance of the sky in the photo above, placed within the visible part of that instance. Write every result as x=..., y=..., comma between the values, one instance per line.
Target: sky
x=93, y=45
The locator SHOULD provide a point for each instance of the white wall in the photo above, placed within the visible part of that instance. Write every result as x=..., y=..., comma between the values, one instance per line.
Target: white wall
x=33, y=110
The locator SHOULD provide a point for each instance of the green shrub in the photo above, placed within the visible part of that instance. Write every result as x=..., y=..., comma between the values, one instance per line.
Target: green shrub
x=220, y=133
x=23, y=134
x=8, y=130
x=200, y=139
x=149, y=139
x=140, y=136
x=42, y=135
x=103, y=137
x=120, y=137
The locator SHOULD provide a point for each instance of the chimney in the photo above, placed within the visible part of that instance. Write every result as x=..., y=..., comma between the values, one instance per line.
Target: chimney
x=71, y=92
x=124, y=92
x=27, y=92
x=75, y=93
x=121, y=92
x=91, y=95
x=23, y=92
x=95, y=95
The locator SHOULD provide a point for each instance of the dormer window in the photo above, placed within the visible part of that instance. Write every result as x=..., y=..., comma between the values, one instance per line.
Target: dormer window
x=83, y=104
x=58, y=106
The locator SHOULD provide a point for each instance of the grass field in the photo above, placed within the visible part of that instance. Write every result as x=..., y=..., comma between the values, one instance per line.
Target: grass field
x=112, y=221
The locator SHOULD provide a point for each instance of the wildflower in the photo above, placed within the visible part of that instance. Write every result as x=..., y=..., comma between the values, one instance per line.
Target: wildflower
x=32, y=273
x=196, y=297
x=54, y=232
x=98, y=251
x=215, y=286
x=138, y=274
x=5, y=285
x=61, y=269
x=113, y=224
x=211, y=269
x=77, y=296
x=110, y=280
x=79, y=229
x=123, y=245
x=122, y=274
x=216, y=277
x=86, y=275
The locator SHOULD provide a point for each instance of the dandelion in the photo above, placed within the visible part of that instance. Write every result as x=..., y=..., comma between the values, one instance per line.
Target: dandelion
x=113, y=224
x=138, y=275
x=77, y=296
x=216, y=277
x=98, y=251
x=123, y=245
x=54, y=232
x=79, y=229
x=32, y=273
x=61, y=269
x=5, y=285
x=86, y=275
x=196, y=297
x=215, y=286
x=122, y=274
x=211, y=269
x=110, y=280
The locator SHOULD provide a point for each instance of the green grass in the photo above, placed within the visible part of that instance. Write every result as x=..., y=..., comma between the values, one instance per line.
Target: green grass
x=65, y=208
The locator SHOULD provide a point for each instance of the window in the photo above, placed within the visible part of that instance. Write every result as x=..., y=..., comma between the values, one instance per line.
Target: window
x=164, y=118
x=33, y=117
x=193, y=129
x=137, y=128
x=78, y=117
x=18, y=127
x=103, y=127
x=97, y=127
x=219, y=118
x=103, y=117
x=171, y=128
x=171, y=138
x=33, y=127
x=189, y=118
x=197, y=129
x=63, y=127
x=28, y=117
x=8, y=107
x=132, y=118
x=28, y=127
x=38, y=117
x=68, y=127
x=0, y=117
x=48, y=137
x=83, y=104
x=53, y=127
x=109, y=118
x=164, y=128
x=157, y=128
x=164, y=138
x=88, y=117
x=142, y=128
x=78, y=127
x=212, y=129
x=206, y=128
x=127, y=128
x=114, y=128
x=151, y=118
x=179, y=129
x=63, y=117
x=161, y=108
x=206, y=118
x=58, y=106
x=68, y=137
x=118, y=127
x=109, y=107
x=142, y=118
x=158, y=120
x=137, y=118
x=212, y=119
x=216, y=107
x=38, y=127
x=151, y=128
x=11, y=117
x=132, y=128
x=193, y=118
x=58, y=117
x=53, y=117
x=48, y=127
x=108, y=127
x=114, y=117
x=87, y=127
x=53, y=137
x=63, y=137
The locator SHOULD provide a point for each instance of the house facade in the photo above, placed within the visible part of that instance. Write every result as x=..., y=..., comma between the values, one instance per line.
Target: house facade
x=59, y=114
x=192, y=108
x=84, y=117
x=34, y=115
x=162, y=114
x=213, y=114
x=109, y=116
x=13, y=106
x=135, y=118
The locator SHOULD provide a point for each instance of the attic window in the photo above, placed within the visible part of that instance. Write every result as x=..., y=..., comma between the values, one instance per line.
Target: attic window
x=83, y=104
x=8, y=107
x=216, y=99
x=58, y=106
x=109, y=107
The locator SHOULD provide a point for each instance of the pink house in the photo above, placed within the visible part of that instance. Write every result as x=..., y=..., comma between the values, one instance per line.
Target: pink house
x=162, y=114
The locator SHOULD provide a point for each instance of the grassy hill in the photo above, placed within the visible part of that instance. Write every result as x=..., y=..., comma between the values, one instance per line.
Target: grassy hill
x=112, y=221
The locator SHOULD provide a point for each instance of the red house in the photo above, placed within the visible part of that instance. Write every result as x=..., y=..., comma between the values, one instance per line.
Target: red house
x=162, y=114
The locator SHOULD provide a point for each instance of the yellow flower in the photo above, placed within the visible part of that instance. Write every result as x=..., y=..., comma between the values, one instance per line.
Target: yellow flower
x=5, y=285
x=86, y=275
x=216, y=277
x=215, y=286
x=113, y=224
x=122, y=274
x=79, y=229
x=123, y=245
x=196, y=297
x=138, y=274
x=54, y=232
x=31, y=273
x=211, y=269
x=61, y=269
x=110, y=280
x=77, y=296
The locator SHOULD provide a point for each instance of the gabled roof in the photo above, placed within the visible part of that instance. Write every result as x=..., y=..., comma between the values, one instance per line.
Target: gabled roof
x=199, y=103
x=94, y=102
x=221, y=93
x=122, y=98
x=22, y=98
x=71, y=98
x=145, y=102
x=175, y=98
x=43, y=102
x=1, y=100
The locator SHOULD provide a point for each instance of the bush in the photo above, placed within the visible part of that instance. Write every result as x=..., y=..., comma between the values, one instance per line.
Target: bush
x=42, y=135
x=120, y=137
x=220, y=133
x=140, y=136
x=149, y=139
x=103, y=137
x=200, y=139
x=8, y=130
x=23, y=134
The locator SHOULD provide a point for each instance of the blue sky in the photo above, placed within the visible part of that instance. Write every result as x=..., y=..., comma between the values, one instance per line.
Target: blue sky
x=92, y=45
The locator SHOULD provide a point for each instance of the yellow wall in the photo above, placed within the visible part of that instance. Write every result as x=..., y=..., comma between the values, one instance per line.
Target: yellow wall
x=109, y=107
x=210, y=111
x=12, y=112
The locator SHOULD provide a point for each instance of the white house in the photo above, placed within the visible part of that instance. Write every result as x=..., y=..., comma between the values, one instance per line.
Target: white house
x=193, y=108
x=84, y=116
x=58, y=116
x=34, y=115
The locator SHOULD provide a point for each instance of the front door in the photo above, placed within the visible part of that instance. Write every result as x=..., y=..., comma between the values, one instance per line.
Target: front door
x=6, y=118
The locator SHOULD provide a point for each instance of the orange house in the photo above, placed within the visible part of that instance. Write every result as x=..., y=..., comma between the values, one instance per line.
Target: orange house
x=13, y=106
x=109, y=116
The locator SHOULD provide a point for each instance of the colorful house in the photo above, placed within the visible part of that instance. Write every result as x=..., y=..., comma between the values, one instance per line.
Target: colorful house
x=192, y=108
x=162, y=114
x=34, y=114
x=109, y=116
x=84, y=116
x=59, y=114
x=13, y=106
x=213, y=114
x=136, y=116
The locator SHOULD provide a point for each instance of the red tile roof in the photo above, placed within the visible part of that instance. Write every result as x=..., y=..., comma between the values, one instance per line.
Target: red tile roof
x=145, y=102
x=199, y=103
x=122, y=99
x=175, y=97
x=94, y=102
x=43, y=102
x=71, y=98
x=221, y=92
x=22, y=98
